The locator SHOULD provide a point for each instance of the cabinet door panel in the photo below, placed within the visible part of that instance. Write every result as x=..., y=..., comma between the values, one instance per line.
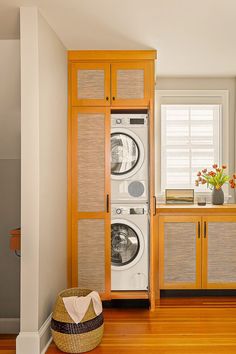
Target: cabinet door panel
x=130, y=83
x=220, y=252
x=91, y=254
x=90, y=84
x=91, y=161
x=180, y=252
x=90, y=189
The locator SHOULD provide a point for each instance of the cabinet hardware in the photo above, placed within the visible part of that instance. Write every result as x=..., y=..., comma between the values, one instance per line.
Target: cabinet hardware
x=107, y=98
x=199, y=229
x=205, y=226
x=107, y=203
x=113, y=98
x=155, y=205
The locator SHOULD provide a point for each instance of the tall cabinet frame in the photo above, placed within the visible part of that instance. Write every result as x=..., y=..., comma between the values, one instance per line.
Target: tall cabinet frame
x=111, y=74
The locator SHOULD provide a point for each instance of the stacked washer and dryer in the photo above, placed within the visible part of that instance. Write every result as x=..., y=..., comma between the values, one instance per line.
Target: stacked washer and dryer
x=129, y=201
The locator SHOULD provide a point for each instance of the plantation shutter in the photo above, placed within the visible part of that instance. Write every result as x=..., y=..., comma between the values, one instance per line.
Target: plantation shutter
x=190, y=141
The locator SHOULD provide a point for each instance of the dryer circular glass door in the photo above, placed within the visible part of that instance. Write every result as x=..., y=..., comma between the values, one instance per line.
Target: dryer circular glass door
x=127, y=244
x=127, y=153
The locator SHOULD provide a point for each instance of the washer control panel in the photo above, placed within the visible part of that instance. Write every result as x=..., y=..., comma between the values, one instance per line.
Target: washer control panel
x=125, y=119
x=129, y=210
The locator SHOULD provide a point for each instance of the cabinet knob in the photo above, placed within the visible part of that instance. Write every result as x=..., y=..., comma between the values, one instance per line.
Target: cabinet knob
x=107, y=98
x=113, y=98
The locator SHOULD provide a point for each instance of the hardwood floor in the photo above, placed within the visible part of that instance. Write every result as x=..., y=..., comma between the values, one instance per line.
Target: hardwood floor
x=178, y=326
x=7, y=344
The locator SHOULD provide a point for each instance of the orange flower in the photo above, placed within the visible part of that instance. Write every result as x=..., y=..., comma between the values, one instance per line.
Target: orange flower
x=204, y=170
x=212, y=173
x=199, y=173
x=234, y=175
x=231, y=181
x=204, y=181
x=224, y=167
x=232, y=185
x=197, y=183
x=218, y=169
x=215, y=165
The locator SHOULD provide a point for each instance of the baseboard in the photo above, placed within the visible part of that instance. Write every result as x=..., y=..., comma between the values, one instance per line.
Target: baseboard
x=34, y=342
x=45, y=335
x=9, y=325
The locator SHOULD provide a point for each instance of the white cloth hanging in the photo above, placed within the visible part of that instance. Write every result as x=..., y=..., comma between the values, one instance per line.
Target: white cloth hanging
x=77, y=306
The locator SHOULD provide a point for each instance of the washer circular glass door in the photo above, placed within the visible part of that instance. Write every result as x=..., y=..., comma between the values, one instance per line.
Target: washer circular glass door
x=127, y=244
x=127, y=153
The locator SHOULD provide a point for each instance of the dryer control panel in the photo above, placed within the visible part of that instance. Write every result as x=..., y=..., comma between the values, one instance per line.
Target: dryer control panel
x=129, y=210
x=125, y=120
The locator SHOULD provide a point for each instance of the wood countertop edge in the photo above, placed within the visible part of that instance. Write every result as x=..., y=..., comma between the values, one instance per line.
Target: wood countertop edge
x=196, y=209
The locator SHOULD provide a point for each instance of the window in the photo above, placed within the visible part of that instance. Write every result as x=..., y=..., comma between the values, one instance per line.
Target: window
x=191, y=132
x=190, y=141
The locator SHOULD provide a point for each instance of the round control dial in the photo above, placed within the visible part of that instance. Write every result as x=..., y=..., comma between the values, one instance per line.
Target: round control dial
x=118, y=121
x=118, y=211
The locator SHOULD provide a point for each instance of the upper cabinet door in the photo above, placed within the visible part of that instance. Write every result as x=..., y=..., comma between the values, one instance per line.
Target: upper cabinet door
x=130, y=83
x=90, y=84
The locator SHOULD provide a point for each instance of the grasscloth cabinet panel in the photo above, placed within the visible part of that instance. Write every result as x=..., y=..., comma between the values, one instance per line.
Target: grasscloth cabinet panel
x=111, y=84
x=91, y=161
x=90, y=198
x=219, y=252
x=91, y=254
x=90, y=84
x=130, y=83
x=180, y=252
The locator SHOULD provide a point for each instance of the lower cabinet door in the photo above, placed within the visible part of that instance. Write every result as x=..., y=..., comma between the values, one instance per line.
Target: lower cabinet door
x=219, y=252
x=180, y=252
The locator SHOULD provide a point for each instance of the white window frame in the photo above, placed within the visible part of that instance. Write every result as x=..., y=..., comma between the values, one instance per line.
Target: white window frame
x=190, y=97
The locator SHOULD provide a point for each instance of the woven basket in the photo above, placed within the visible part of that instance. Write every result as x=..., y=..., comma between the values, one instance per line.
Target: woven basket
x=71, y=337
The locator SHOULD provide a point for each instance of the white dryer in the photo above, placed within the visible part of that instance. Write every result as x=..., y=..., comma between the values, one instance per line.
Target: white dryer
x=129, y=157
x=129, y=247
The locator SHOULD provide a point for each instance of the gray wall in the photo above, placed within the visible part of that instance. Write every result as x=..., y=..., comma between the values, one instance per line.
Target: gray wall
x=9, y=177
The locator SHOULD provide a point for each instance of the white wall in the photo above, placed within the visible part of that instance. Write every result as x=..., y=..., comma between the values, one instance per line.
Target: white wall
x=194, y=83
x=9, y=182
x=44, y=182
x=52, y=167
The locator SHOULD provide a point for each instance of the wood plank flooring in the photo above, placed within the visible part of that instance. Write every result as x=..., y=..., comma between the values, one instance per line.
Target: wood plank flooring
x=7, y=343
x=178, y=326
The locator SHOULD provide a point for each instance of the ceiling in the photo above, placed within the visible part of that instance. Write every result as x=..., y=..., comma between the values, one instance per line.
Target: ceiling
x=193, y=38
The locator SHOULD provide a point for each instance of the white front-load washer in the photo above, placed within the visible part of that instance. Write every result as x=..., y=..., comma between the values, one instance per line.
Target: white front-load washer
x=129, y=247
x=129, y=157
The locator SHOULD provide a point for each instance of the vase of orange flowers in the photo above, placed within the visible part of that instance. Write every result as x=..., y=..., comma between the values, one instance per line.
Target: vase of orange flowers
x=215, y=179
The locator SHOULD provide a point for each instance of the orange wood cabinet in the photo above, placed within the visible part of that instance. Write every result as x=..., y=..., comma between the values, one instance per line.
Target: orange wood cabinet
x=100, y=81
x=197, y=247
x=112, y=82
